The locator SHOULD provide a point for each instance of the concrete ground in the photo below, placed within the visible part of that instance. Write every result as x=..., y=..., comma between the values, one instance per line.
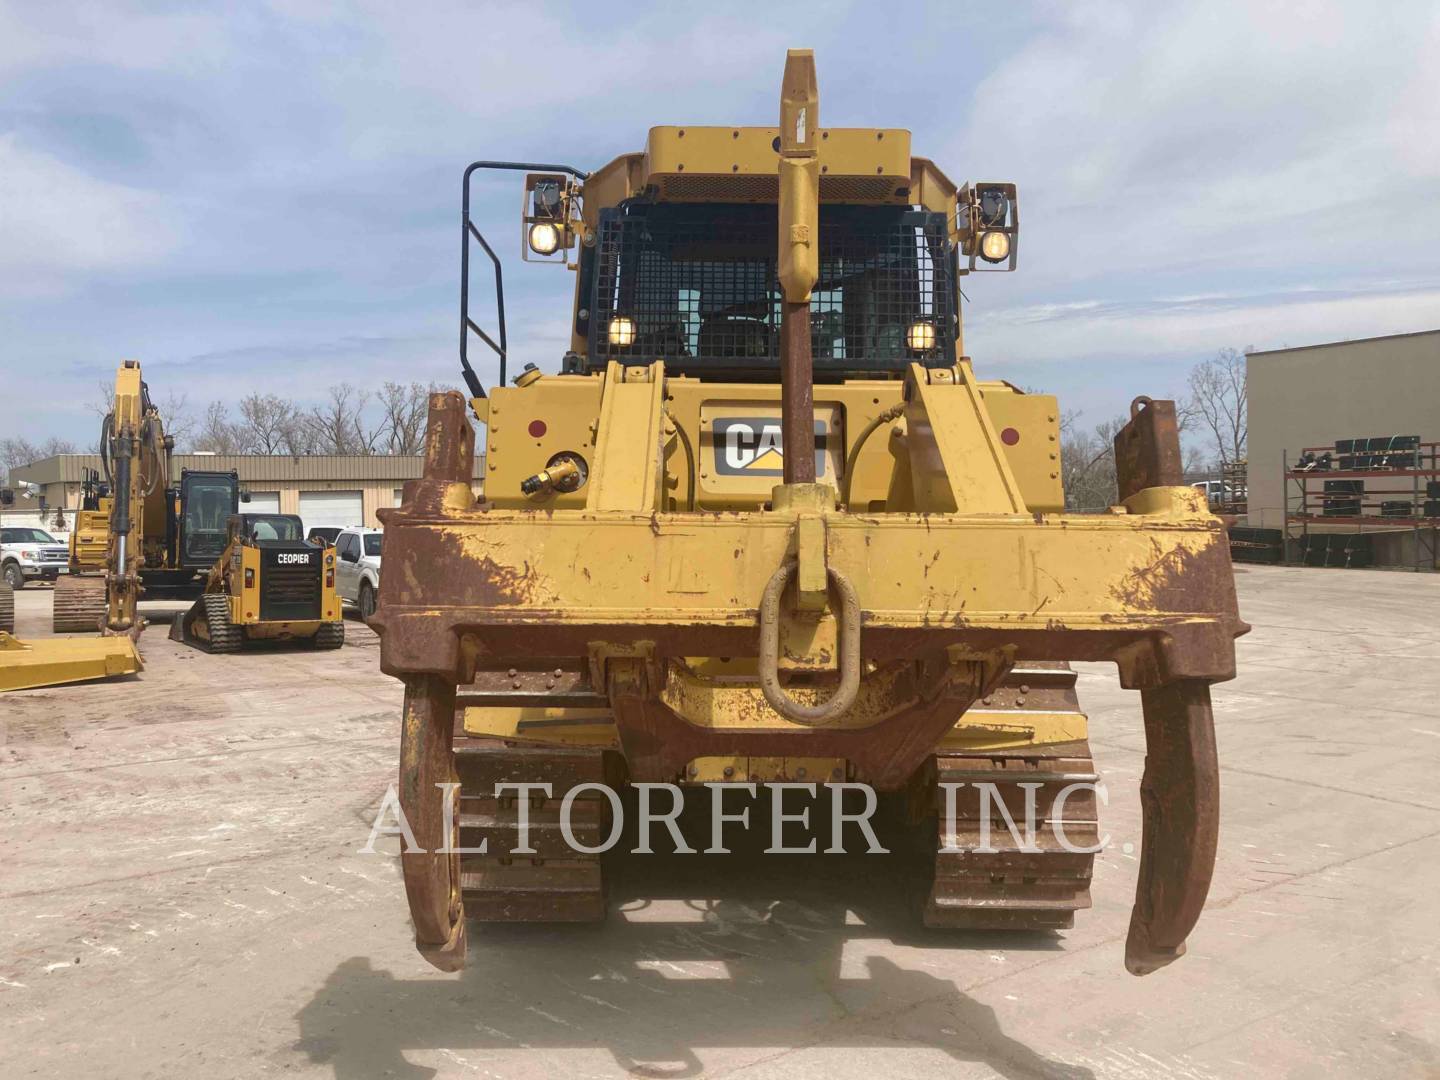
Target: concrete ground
x=181, y=895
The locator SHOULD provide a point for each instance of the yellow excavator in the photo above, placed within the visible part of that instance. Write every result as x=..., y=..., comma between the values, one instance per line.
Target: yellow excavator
x=160, y=537
x=137, y=534
x=768, y=524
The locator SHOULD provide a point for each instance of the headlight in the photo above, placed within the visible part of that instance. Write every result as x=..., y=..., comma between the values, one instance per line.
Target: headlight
x=544, y=238
x=994, y=247
x=622, y=331
x=27, y=554
x=920, y=337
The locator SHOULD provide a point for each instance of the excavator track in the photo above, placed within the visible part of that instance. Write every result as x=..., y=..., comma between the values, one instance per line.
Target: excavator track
x=7, y=608
x=554, y=883
x=1010, y=888
x=79, y=604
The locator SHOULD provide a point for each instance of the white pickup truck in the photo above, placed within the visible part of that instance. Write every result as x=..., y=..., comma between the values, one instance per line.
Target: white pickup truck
x=357, y=567
x=30, y=554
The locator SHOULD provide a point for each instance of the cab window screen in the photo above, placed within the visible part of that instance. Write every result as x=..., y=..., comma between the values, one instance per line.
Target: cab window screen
x=696, y=286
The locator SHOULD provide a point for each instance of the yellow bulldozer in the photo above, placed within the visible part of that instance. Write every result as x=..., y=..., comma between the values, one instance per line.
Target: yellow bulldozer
x=767, y=525
x=269, y=584
x=140, y=532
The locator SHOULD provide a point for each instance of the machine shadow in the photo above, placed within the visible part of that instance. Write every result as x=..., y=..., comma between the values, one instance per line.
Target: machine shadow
x=760, y=962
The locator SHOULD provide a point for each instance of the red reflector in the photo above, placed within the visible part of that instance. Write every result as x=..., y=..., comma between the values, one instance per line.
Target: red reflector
x=537, y=428
x=329, y=579
x=1010, y=436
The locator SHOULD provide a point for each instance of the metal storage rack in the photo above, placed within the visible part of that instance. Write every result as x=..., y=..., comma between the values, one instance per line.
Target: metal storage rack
x=1418, y=486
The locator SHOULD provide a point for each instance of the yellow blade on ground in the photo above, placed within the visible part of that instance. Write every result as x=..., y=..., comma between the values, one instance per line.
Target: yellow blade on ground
x=27, y=664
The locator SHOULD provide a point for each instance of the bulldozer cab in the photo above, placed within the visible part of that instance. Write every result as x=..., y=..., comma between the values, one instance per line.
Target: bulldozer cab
x=695, y=285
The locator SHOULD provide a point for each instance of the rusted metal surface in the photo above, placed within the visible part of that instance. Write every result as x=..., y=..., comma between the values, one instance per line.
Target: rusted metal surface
x=432, y=872
x=552, y=882
x=848, y=615
x=1011, y=888
x=658, y=743
x=1180, y=801
x=1014, y=889
x=79, y=604
x=553, y=687
x=1147, y=449
x=495, y=601
x=797, y=394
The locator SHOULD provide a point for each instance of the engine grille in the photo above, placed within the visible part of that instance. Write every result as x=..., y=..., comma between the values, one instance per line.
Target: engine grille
x=700, y=287
x=290, y=592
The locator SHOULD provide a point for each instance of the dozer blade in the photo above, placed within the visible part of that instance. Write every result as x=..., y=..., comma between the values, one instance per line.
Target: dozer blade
x=28, y=664
x=1180, y=801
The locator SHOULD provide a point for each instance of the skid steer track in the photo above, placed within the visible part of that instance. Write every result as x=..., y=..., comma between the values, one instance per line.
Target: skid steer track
x=1011, y=888
x=552, y=882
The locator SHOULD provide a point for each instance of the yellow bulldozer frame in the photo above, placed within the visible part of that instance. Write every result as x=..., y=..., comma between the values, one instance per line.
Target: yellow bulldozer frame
x=863, y=616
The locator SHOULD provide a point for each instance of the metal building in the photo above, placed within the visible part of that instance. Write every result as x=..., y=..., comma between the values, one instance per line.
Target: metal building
x=1333, y=396
x=325, y=490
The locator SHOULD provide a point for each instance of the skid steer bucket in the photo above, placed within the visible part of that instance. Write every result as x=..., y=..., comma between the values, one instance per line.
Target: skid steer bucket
x=182, y=627
x=28, y=664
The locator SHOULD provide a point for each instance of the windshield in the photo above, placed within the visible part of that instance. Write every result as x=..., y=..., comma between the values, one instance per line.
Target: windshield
x=26, y=536
x=696, y=286
x=274, y=526
x=372, y=543
x=209, y=502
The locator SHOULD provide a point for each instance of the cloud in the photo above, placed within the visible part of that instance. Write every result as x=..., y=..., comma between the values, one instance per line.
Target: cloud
x=1216, y=138
x=1166, y=327
x=56, y=222
x=266, y=195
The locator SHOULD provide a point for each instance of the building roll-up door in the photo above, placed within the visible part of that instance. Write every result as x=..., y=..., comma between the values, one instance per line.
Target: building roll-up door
x=331, y=509
x=262, y=502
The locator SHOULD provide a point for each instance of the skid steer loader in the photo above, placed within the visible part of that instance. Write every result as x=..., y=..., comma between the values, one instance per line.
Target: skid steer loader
x=269, y=584
x=767, y=524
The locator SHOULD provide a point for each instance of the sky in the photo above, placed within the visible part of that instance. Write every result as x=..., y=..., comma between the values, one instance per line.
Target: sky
x=265, y=196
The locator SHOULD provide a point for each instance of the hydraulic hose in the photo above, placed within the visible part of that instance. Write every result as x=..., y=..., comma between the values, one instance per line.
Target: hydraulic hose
x=892, y=413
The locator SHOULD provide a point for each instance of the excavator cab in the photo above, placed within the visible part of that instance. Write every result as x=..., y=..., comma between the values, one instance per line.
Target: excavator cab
x=206, y=501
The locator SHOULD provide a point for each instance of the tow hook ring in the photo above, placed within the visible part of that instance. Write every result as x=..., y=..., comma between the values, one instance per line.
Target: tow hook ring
x=848, y=616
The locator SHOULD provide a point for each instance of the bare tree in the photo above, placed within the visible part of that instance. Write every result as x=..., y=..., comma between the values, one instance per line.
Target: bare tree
x=178, y=419
x=104, y=399
x=18, y=452
x=405, y=409
x=338, y=426
x=269, y=425
x=1216, y=404
x=174, y=410
x=1087, y=462
x=216, y=432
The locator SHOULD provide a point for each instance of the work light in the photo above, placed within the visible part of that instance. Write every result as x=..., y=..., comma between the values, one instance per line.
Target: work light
x=622, y=331
x=544, y=238
x=920, y=337
x=994, y=247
